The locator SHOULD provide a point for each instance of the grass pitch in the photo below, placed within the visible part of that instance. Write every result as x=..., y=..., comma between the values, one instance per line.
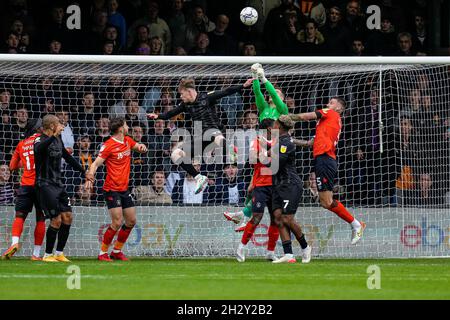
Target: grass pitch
x=226, y=279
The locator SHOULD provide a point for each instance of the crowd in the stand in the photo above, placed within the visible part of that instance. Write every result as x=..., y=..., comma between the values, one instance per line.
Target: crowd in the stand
x=403, y=161
x=208, y=27
x=412, y=169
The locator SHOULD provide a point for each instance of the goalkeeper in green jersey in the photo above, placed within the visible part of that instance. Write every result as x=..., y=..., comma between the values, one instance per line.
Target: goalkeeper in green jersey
x=267, y=110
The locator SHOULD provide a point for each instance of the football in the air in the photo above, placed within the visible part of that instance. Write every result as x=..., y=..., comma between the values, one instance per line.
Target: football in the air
x=249, y=16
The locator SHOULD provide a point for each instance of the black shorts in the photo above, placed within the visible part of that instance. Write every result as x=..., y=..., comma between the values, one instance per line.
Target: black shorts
x=53, y=200
x=116, y=199
x=326, y=172
x=26, y=199
x=262, y=197
x=286, y=197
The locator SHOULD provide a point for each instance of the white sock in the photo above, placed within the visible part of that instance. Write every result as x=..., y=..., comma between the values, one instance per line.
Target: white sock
x=355, y=224
x=289, y=255
x=116, y=250
x=270, y=252
x=47, y=255
x=37, y=251
x=103, y=252
x=15, y=240
x=58, y=253
x=241, y=246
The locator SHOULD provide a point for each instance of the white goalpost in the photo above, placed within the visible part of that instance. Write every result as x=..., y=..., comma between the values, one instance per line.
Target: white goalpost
x=393, y=154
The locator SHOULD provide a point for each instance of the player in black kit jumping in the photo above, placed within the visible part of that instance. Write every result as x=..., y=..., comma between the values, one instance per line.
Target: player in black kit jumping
x=201, y=107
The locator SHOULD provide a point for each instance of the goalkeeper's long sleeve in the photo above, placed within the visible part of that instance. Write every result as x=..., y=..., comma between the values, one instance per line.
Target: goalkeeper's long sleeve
x=261, y=103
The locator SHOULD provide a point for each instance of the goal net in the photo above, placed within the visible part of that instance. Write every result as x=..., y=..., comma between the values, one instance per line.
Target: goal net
x=393, y=153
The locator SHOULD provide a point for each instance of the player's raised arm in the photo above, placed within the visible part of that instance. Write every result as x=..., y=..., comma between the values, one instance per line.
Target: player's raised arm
x=307, y=116
x=169, y=114
x=216, y=95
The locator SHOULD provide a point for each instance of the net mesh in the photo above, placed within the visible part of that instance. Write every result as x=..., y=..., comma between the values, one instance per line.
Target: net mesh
x=393, y=155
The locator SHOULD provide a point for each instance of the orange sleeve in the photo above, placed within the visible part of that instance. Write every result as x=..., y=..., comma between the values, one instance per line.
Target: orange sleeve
x=131, y=142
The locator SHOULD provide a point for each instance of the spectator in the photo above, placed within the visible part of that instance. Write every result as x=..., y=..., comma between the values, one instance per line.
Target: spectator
x=337, y=35
x=83, y=154
x=355, y=19
x=142, y=36
x=17, y=27
x=201, y=46
x=287, y=38
x=250, y=120
x=249, y=49
x=311, y=40
x=102, y=132
x=154, y=193
x=242, y=139
x=167, y=103
x=6, y=186
x=5, y=100
x=358, y=47
x=85, y=122
x=230, y=188
x=67, y=136
x=116, y=19
x=405, y=48
x=159, y=144
x=156, y=46
x=184, y=189
x=156, y=25
x=310, y=191
x=136, y=113
x=153, y=94
x=384, y=41
x=140, y=163
x=18, y=126
x=198, y=23
x=12, y=43
x=277, y=23
x=406, y=153
x=143, y=49
x=179, y=51
x=111, y=33
x=57, y=29
x=315, y=10
x=291, y=104
x=232, y=105
x=177, y=23
x=119, y=109
x=222, y=43
x=55, y=47
x=108, y=48
x=24, y=44
x=84, y=197
x=96, y=35
x=426, y=194
x=419, y=34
